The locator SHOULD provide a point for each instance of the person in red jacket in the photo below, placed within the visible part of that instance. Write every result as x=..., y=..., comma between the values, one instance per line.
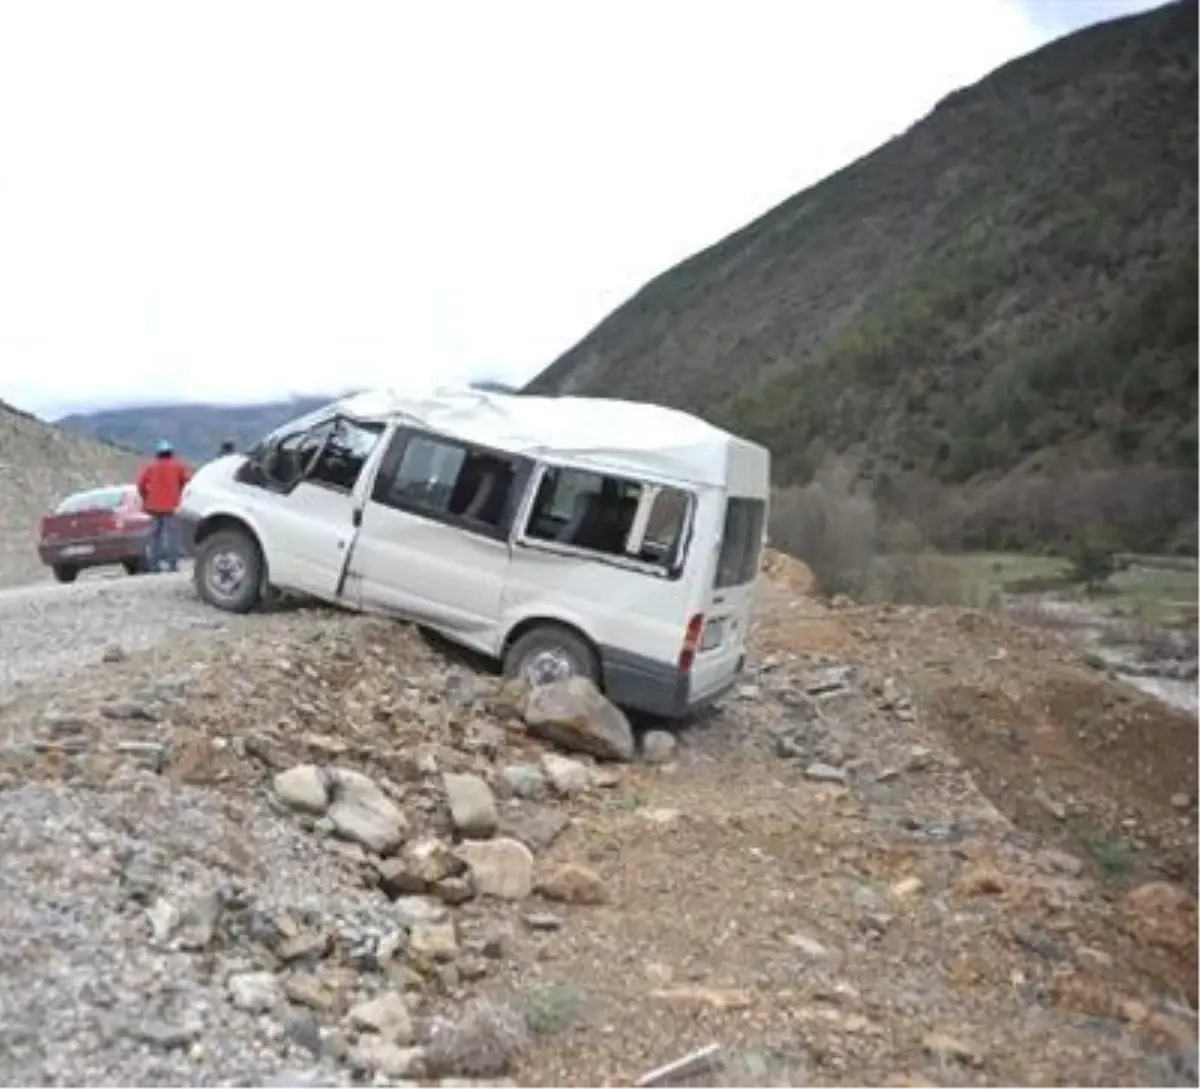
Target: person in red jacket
x=161, y=484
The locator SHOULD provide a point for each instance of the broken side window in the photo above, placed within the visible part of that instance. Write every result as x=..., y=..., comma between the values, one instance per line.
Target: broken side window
x=347, y=448
x=610, y=515
x=285, y=461
x=450, y=481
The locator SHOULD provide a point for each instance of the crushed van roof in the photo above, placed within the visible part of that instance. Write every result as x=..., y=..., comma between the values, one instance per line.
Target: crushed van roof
x=606, y=433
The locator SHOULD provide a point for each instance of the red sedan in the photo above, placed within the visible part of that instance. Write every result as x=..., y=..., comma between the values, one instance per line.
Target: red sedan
x=94, y=528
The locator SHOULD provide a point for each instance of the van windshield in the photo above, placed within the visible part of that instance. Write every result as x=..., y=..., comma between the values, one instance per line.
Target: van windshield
x=611, y=515
x=741, y=542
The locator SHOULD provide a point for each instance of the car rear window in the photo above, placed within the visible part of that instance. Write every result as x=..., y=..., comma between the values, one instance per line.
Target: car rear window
x=98, y=499
x=741, y=542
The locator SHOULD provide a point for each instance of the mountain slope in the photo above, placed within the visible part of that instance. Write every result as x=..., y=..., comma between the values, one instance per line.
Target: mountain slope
x=40, y=464
x=1009, y=288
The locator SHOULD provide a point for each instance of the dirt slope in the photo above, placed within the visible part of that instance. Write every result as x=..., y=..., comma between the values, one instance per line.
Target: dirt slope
x=842, y=877
x=1011, y=284
x=39, y=464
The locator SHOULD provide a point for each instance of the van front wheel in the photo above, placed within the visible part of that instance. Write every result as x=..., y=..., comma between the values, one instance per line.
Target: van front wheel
x=228, y=571
x=548, y=653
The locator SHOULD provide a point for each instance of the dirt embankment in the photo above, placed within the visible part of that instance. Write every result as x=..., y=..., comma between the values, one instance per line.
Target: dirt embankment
x=917, y=847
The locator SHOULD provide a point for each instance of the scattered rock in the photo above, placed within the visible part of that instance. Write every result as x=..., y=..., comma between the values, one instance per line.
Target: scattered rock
x=658, y=747
x=433, y=941
x=472, y=805
x=524, y=781
x=502, y=868
x=575, y=715
x=303, y=788
x=198, y=925
x=379, y=1056
x=113, y=653
x=413, y=910
x=536, y=827
x=942, y=1045
x=1181, y=801
x=430, y=860
x=164, y=918
x=825, y=773
x=254, y=992
x=455, y=890
x=363, y=814
x=542, y=921
x=566, y=776
x=166, y=1035
x=295, y=1079
x=1055, y=861
x=386, y=1014
x=810, y=947
x=151, y=755
x=308, y=990
x=573, y=883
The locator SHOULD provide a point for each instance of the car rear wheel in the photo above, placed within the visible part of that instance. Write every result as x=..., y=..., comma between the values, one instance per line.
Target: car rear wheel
x=64, y=572
x=134, y=566
x=551, y=652
x=228, y=571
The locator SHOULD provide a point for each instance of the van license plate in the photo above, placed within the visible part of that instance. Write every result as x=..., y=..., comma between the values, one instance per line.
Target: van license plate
x=78, y=550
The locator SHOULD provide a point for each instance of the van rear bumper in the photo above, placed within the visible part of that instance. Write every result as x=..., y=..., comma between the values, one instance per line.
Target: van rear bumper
x=653, y=687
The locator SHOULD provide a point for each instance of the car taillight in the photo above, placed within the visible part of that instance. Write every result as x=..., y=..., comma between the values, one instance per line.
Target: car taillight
x=691, y=642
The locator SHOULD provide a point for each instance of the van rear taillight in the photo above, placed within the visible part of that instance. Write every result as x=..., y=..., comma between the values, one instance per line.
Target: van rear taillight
x=691, y=642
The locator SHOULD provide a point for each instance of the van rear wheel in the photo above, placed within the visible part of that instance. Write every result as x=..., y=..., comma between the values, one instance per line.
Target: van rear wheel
x=551, y=652
x=228, y=571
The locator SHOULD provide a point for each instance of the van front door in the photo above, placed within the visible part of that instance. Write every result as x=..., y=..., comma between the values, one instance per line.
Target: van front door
x=306, y=499
x=433, y=546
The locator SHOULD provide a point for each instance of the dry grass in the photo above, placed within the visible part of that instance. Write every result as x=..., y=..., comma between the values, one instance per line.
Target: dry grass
x=836, y=527
x=485, y=1041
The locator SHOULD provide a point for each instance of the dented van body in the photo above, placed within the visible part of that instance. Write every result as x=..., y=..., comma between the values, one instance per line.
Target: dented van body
x=558, y=536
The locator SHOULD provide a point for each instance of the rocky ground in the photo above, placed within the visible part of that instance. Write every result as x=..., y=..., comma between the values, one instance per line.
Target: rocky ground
x=302, y=848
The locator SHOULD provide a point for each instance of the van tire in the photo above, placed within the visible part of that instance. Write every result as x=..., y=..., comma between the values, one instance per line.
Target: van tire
x=229, y=558
x=557, y=645
x=64, y=572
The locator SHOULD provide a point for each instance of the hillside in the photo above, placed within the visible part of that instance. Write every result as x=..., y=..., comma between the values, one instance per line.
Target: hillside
x=1006, y=291
x=196, y=429
x=39, y=464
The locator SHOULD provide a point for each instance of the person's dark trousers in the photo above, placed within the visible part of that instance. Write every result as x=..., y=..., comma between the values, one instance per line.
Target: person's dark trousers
x=163, y=548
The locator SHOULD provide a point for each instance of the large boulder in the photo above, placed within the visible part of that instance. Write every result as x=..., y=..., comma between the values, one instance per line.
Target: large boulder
x=575, y=715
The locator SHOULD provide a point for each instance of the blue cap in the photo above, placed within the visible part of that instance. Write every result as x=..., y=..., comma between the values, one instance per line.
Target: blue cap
x=164, y=446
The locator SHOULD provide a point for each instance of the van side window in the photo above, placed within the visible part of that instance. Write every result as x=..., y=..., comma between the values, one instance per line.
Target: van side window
x=599, y=513
x=450, y=481
x=663, y=541
x=741, y=543
x=347, y=448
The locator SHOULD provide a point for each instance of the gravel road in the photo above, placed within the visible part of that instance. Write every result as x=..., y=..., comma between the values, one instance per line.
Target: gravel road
x=57, y=630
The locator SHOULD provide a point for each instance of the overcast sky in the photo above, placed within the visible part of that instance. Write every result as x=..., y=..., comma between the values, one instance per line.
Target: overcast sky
x=237, y=200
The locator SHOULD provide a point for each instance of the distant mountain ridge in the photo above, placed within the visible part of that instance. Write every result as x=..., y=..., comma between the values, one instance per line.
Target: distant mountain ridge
x=1006, y=292
x=199, y=429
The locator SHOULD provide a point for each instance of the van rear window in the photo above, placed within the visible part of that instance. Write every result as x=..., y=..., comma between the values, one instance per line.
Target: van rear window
x=741, y=542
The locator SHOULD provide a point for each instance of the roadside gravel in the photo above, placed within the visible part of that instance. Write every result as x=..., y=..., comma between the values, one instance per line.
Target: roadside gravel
x=52, y=630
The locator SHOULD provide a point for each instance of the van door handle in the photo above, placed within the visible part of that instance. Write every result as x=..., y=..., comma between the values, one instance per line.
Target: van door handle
x=356, y=517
